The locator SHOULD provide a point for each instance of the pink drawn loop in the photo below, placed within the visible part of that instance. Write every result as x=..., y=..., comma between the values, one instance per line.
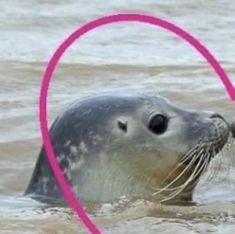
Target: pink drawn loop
x=65, y=187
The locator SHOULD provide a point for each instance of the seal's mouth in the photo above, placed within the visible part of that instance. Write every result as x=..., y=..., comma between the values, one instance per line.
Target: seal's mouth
x=185, y=176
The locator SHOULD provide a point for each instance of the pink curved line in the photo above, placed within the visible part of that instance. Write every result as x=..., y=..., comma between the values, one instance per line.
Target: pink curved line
x=68, y=193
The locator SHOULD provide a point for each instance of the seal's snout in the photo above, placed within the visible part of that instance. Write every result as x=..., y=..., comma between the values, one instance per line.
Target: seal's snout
x=230, y=122
x=218, y=133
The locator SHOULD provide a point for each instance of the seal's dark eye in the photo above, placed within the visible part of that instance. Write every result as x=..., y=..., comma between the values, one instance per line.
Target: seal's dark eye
x=158, y=124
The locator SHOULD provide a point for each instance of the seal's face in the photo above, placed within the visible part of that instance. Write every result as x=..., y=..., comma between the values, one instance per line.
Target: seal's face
x=165, y=147
x=130, y=144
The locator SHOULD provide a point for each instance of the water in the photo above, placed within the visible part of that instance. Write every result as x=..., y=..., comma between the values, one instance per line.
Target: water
x=130, y=56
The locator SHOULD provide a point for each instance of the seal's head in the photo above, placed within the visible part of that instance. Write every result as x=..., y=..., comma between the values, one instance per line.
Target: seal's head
x=134, y=145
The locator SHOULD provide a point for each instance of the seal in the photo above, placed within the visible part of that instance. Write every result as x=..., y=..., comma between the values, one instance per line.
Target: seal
x=129, y=144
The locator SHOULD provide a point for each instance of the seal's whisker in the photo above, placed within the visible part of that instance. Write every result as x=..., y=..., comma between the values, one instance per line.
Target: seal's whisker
x=189, y=155
x=226, y=160
x=232, y=151
x=218, y=165
x=205, y=159
x=196, y=172
x=204, y=162
x=224, y=152
x=192, y=150
x=166, y=188
x=179, y=176
x=223, y=163
x=200, y=171
x=212, y=173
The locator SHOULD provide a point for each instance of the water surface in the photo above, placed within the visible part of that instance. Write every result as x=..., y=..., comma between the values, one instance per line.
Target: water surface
x=129, y=56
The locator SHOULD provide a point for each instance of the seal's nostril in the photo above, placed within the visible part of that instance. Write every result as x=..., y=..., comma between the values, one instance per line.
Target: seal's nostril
x=216, y=115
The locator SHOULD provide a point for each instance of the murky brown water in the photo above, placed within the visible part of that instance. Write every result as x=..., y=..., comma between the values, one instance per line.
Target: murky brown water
x=121, y=56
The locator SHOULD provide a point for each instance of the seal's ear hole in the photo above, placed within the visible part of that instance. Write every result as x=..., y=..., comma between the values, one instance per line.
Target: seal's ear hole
x=158, y=123
x=122, y=125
